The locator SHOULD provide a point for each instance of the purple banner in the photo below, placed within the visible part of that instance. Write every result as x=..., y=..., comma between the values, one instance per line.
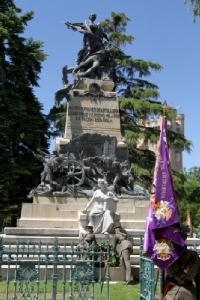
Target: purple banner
x=162, y=241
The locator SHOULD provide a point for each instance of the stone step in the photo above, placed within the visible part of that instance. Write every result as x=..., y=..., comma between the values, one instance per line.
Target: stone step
x=35, y=240
x=135, y=257
x=132, y=216
x=72, y=205
x=57, y=213
x=22, y=235
x=48, y=223
x=136, y=201
x=133, y=224
x=71, y=223
x=51, y=233
x=55, y=232
x=50, y=214
x=67, y=247
x=66, y=237
x=59, y=200
x=59, y=216
x=28, y=207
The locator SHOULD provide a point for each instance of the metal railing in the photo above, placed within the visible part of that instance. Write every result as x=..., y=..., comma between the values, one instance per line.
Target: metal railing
x=28, y=270
x=150, y=278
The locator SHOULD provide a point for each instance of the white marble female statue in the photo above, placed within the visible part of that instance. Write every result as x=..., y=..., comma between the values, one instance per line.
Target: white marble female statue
x=102, y=215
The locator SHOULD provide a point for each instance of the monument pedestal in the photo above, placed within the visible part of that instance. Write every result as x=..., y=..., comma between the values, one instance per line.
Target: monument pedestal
x=91, y=148
x=93, y=108
x=64, y=212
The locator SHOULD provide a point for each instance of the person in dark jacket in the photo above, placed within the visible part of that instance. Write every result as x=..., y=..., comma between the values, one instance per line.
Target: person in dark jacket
x=125, y=250
x=183, y=276
x=86, y=239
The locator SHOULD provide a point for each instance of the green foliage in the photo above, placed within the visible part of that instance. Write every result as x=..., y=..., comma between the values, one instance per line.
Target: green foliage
x=22, y=123
x=57, y=119
x=195, y=6
x=189, y=199
x=138, y=102
x=114, y=258
x=115, y=27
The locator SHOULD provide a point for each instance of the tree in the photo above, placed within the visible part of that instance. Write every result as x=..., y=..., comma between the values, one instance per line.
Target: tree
x=190, y=199
x=141, y=104
x=22, y=123
x=195, y=5
x=138, y=100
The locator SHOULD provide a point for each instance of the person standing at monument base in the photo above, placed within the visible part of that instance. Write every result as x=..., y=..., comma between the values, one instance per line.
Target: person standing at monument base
x=125, y=250
x=87, y=238
x=183, y=276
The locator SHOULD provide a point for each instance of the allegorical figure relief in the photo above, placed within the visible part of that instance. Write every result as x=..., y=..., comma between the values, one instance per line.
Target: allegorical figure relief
x=102, y=215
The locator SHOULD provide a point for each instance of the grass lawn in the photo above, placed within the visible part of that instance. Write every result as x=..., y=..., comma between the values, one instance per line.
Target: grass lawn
x=118, y=291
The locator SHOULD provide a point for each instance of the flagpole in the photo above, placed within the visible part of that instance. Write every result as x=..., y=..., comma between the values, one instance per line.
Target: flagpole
x=162, y=225
x=163, y=242
x=162, y=279
x=164, y=108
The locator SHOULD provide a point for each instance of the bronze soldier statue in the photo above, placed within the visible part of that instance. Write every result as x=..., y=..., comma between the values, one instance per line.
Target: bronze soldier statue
x=183, y=276
x=93, y=36
x=101, y=58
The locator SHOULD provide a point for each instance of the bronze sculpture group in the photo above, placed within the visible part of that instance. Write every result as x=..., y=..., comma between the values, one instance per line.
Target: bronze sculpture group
x=63, y=174
x=71, y=174
x=96, y=55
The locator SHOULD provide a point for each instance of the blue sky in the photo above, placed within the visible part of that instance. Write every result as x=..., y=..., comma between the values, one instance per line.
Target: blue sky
x=164, y=33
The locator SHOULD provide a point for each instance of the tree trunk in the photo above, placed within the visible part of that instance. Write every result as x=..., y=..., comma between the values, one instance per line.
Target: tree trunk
x=1, y=223
x=13, y=222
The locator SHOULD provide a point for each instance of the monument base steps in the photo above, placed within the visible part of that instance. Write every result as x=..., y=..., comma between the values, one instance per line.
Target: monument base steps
x=65, y=212
x=66, y=236
x=61, y=217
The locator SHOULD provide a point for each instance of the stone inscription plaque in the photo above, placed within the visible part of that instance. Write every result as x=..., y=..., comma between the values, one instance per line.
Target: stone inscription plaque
x=86, y=114
x=93, y=114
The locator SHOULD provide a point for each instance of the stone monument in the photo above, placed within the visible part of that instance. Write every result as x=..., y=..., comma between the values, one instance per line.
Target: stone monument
x=91, y=150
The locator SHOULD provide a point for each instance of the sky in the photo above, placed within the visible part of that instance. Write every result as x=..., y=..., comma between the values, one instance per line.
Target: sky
x=164, y=33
